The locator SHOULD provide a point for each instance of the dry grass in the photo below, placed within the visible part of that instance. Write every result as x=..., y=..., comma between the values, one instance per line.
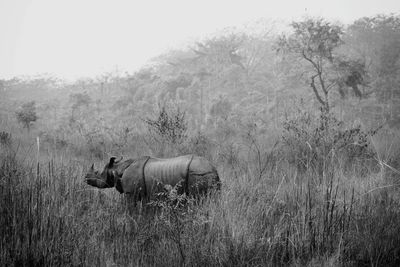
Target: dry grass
x=281, y=217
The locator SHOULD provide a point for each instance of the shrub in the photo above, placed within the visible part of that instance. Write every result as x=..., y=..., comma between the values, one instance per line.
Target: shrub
x=314, y=141
x=5, y=138
x=26, y=115
x=169, y=127
x=54, y=140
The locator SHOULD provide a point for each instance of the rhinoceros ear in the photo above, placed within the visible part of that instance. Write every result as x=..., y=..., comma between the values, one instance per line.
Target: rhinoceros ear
x=111, y=163
x=113, y=160
x=118, y=160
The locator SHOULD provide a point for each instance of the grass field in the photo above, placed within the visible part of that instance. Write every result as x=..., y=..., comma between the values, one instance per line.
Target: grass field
x=275, y=215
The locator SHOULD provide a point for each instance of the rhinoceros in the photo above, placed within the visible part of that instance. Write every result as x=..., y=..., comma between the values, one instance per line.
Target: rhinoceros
x=145, y=176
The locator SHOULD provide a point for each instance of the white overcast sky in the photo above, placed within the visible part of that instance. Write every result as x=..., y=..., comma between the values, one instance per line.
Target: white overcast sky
x=76, y=38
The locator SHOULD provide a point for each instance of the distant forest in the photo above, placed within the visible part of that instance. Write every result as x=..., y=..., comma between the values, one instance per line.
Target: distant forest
x=235, y=78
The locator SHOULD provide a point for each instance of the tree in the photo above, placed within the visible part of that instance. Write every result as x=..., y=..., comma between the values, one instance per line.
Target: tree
x=377, y=41
x=315, y=41
x=79, y=100
x=2, y=87
x=26, y=115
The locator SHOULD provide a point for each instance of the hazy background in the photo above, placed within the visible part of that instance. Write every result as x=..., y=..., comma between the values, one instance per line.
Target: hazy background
x=72, y=39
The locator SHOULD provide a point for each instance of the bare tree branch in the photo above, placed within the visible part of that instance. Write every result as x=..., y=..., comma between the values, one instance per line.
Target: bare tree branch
x=312, y=84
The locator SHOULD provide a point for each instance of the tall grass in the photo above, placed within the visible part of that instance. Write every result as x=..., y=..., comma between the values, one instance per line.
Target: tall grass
x=282, y=216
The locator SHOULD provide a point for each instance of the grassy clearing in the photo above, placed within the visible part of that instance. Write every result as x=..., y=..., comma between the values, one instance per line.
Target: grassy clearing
x=283, y=217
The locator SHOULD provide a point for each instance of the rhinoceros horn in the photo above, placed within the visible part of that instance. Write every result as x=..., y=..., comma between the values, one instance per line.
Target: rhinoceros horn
x=92, y=167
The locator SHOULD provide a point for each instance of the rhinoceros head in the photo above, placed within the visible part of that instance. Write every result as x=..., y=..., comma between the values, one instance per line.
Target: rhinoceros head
x=106, y=178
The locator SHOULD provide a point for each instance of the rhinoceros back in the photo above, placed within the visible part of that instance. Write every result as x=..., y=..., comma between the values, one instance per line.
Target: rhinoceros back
x=167, y=171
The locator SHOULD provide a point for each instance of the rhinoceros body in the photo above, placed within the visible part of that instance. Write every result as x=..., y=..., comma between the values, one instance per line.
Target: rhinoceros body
x=146, y=176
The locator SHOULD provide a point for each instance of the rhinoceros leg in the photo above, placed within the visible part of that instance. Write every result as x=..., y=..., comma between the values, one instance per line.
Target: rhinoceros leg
x=118, y=185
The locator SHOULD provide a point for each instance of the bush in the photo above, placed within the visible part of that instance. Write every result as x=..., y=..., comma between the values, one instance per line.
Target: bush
x=5, y=138
x=54, y=140
x=314, y=141
x=26, y=115
x=169, y=127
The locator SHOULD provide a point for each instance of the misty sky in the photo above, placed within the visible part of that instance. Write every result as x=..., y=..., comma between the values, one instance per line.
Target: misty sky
x=73, y=38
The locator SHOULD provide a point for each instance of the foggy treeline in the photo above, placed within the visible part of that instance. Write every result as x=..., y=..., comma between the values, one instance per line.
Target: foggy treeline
x=231, y=80
x=302, y=125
